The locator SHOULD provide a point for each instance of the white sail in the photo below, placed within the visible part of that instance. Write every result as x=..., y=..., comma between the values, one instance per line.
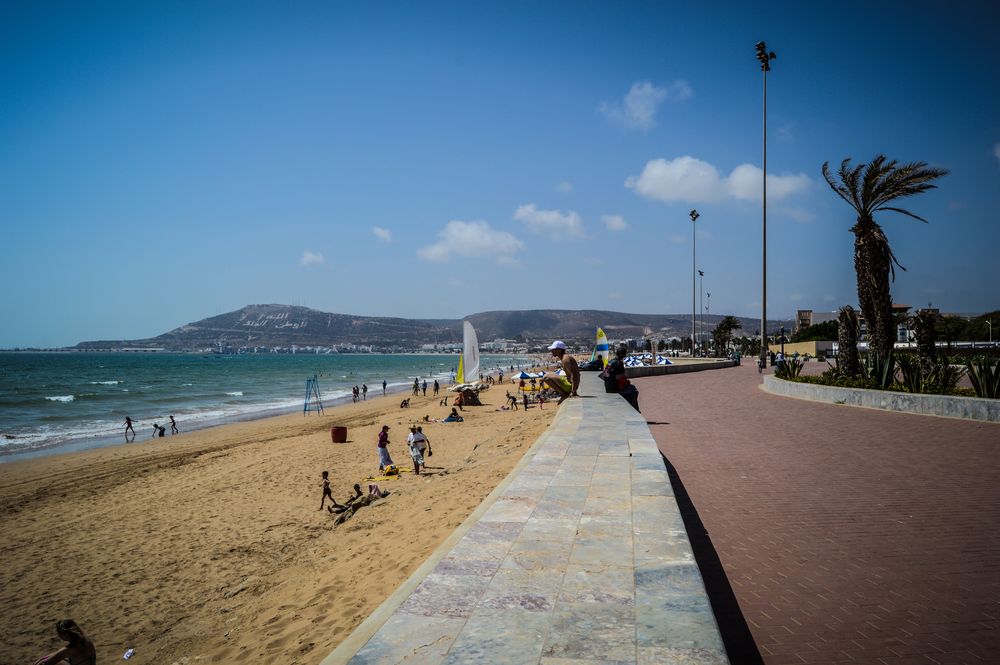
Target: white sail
x=470, y=353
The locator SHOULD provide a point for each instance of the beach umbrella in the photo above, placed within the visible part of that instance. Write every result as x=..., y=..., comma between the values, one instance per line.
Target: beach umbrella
x=662, y=360
x=524, y=375
x=561, y=372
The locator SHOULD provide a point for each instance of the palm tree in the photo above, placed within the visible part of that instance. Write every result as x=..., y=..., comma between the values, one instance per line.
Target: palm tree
x=871, y=188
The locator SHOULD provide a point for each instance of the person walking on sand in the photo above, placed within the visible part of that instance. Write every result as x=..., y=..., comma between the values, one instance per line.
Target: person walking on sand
x=79, y=650
x=425, y=443
x=437, y=387
x=424, y=387
x=384, y=459
x=364, y=392
x=416, y=386
x=383, y=387
x=173, y=426
x=568, y=385
x=129, y=428
x=416, y=454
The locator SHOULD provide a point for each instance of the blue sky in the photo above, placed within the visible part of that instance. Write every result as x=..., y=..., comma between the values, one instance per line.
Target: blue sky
x=164, y=162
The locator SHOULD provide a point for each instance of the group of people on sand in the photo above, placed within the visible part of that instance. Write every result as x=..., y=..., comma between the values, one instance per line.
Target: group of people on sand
x=359, y=393
x=158, y=429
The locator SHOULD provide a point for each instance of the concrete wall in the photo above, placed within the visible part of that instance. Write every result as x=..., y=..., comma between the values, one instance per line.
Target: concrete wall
x=968, y=408
x=679, y=367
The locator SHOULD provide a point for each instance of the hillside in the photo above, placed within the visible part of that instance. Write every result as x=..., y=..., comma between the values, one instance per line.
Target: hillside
x=269, y=326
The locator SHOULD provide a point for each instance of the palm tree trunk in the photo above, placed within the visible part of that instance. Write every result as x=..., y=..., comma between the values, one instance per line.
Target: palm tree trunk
x=872, y=263
x=847, y=340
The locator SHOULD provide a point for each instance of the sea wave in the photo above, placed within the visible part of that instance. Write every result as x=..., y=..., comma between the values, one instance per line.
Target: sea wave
x=104, y=383
x=60, y=398
x=236, y=393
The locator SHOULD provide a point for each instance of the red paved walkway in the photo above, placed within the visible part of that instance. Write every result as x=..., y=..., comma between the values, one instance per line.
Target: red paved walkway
x=847, y=535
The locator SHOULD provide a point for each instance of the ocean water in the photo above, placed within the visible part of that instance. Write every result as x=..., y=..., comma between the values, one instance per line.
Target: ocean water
x=54, y=402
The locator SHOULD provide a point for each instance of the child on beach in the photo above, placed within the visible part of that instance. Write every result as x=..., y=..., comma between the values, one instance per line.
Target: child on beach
x=416, y=453
x=173, y=426
x=327, y=492
x=128, y=428
x=79, y=650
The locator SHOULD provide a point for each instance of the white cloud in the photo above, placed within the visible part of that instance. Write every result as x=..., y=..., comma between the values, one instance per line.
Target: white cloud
x=471, y=239
x=691, y=180
x=677, y=239
x=638, y=109
x=996, y=151
x=565, y=187
x=800, y=215
x=614, y=222
x=385, y=235
x=311, y=258
x=551, y=222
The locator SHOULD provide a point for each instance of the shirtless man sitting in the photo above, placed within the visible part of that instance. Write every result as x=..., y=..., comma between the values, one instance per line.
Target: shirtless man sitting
x=567, y=385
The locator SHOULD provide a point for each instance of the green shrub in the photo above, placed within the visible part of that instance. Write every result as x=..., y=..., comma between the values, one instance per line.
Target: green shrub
x=984, y=373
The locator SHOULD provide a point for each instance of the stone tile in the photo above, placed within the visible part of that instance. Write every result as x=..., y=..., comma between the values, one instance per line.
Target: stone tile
x=649, y=462
x=451, y=565
x=616, y=490
x=530, y=590
x=500, y=637
x=614, y=507
x=595, y=583
x=538, y=555
x=494, y=532
x=582, y=661
x=596, y=631
x=650, y=476
x=469, y=549
x=407, y=636
x=658, y=580
x=509, y=510
x=652, y=489
x=608, y=550
x=566, y=492
x=572, y=478
x=669, y=656
x=446, y=595
x=558, y=509
x=677, y=628
x=549, y=530
x=666, y=547
x=610, y=527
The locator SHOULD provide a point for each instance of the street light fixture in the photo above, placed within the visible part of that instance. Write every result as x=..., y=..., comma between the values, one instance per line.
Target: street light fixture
x=764, y=57
x=694, y=242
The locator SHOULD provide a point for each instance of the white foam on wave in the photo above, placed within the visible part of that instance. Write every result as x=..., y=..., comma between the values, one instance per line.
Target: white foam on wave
x=237, y=393
x=61, y=398
x=104, y=383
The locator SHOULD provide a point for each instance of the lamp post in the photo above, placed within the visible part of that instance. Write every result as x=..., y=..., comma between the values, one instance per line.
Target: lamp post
x=782, y=341
x=694, y=242
x=764, y=57
x=989, y=322
x=701, y=309
x=708, y=309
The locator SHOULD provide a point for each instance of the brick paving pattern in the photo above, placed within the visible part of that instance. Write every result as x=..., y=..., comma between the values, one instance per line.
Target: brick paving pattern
x=847, y=535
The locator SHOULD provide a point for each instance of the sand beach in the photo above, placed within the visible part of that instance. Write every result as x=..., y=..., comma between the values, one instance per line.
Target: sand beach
x=209, y=547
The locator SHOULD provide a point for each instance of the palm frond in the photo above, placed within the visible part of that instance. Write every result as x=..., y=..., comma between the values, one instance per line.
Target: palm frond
x=841, y=190
x=904, y=212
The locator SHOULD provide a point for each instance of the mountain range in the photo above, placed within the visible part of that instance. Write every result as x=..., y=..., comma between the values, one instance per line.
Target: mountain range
x=270, y=326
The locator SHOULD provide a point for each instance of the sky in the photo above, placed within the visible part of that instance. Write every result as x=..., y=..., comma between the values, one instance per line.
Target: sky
x=166, y=162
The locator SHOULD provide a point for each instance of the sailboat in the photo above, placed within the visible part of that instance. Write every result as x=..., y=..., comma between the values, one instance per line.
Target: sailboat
x=602, y=348
x=468, y=362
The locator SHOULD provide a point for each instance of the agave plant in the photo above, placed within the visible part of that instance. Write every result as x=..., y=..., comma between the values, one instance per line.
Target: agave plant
x=789, y=369
x=871, y=188
x=984, y=373
x=943, y=378
x=912, y=372
x=879, y=369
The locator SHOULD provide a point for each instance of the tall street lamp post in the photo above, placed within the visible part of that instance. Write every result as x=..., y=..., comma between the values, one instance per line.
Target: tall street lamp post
x=701, y=310
x=694, y=241
x=708, y=309
x=764, y=57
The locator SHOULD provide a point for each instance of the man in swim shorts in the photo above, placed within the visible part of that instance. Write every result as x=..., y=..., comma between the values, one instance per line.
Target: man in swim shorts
x=567, y=385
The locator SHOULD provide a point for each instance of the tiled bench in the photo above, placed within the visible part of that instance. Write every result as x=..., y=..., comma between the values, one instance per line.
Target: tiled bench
x=579, y=556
